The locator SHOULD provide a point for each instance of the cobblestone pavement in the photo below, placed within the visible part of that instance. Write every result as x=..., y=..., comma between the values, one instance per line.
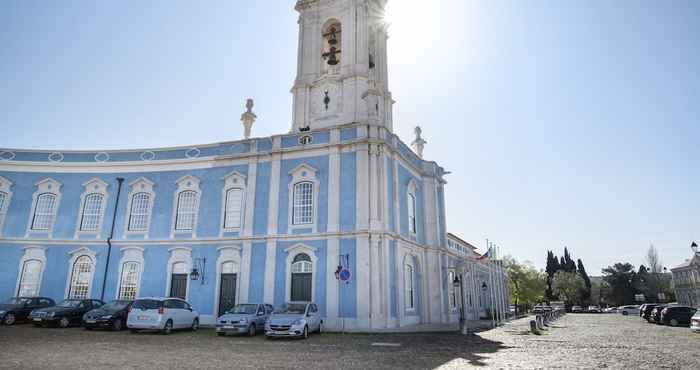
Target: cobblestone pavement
x=574, y=342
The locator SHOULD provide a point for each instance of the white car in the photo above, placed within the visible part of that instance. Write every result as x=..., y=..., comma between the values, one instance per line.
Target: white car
x=695, y=322
x=162, y=314
x=628, y=310
x=294, y=319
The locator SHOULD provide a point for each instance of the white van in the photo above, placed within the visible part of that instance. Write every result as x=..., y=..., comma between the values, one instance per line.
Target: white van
x=162, y=314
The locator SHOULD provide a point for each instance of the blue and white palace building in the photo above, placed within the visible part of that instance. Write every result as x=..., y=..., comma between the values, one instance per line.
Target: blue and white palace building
x=268, y=219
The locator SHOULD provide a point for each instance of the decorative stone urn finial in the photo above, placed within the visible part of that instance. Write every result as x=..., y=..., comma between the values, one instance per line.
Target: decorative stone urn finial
x=418, y=144
x=248, y=118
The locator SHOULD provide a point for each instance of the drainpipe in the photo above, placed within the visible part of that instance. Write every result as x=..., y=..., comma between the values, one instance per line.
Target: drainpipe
x=120, y=180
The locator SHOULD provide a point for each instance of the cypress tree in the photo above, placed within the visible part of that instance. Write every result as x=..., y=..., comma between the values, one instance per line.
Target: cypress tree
x=587, y=280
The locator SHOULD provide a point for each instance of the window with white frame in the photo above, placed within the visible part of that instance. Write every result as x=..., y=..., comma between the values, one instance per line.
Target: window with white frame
x=4, y=200
x=233, y=208
x=303, y=203
x=81, y=276
x=30, y=279
x=412, y=213
x=186, y=210
x=140, y=213
x=451, y=291
x=92, y=212
x=128, y=285
x=408, y=286
x=44, y=211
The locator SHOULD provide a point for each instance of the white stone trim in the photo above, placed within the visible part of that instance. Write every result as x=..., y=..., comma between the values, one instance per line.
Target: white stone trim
x=228, y=254
x=334, y=189
x=178, y=254
x=5, y=187
x=303, y=173
x=130, y=254
x=45, y=186
x=270, y=262
x=75, y=254
x=186, y=183
x=273, y=203
x=140, y=185
x=249, y=214
x=234, y=180
x=31, y=253
x=292, y=252
x=94, y=186
x=411, y=191
x=332, y=284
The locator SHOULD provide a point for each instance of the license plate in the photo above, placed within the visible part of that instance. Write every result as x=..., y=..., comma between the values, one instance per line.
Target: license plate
x=229, y=327
x=90, y=321
x=37, y=319
x=143, y=317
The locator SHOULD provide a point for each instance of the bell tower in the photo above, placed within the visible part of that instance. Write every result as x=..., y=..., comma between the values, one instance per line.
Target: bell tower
x=341, y=65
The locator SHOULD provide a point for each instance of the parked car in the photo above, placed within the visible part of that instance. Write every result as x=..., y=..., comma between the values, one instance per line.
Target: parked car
x=294, y=319
x=655, y=315
x=677, y=315
x=610, y=310
x=593, y=309
x=244, y=318
x=629, y=310
x=67, y=312
x=110, y=316
x=576, y=309
x=17, y=309
x=641, y=309
x=162, y=314
x=695, y=322
x=645, y=313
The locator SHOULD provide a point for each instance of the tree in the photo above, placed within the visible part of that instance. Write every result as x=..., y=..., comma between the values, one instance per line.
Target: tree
x=527, y=284
x=553, y=266
x=620, y=277
x=652, y=279
x=586, y=280
x=569, y=286
x=568, y=263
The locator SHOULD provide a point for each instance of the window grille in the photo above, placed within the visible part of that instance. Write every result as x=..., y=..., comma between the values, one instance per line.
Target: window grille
x=30, y=279
x=44, y=211
x=234, y=206
x=408, y=279
x=92, y=212
x=302, y=264
x=140, y=212
x=186, y=210
x=412, y=213
x=303, y=212
x=80, y=278
x=131, y=272
x=451, y=289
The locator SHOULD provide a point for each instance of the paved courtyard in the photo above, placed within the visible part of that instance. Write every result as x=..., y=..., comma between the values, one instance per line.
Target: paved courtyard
x=575, y=342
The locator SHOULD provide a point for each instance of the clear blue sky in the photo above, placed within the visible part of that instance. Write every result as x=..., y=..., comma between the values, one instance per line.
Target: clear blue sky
x=570, y=123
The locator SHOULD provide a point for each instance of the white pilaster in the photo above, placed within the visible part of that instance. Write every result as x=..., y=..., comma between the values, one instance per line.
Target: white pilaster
x=250, y=197
x=363, y=281
x=375, y=288
x=397, y=209
x=374, y=195
x=429, y=211
x=245, y=272
x=334, y=183
x=270, y=259
x=273, y=209
x=362, y=187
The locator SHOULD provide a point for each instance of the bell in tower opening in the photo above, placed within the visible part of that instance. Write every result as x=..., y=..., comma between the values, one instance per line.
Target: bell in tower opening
x=331, y=43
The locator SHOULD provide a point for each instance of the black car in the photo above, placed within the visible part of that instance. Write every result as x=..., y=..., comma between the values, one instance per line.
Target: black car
x=64, y=314
x=17, y=309
x=655, y=315
x=676, y=315
x=110, y=316
x=646, y=312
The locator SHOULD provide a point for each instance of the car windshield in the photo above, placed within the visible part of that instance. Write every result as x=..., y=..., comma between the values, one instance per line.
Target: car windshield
x=69, y=303
x=292, y=308
x=17, y=301
x=115, y=306
x=147, y=304
x=244, y=309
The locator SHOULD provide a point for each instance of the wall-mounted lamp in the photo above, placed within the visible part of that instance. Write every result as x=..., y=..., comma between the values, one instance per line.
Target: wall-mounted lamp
x=198, y=269
x=456, y=283
x=483, y=286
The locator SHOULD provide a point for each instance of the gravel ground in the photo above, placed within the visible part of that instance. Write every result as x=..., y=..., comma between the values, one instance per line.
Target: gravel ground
x=574, y=342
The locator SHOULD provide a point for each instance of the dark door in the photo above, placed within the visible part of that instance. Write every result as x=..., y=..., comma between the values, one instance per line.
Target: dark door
x=227, y=292
x=178, y=286
x=301, y=287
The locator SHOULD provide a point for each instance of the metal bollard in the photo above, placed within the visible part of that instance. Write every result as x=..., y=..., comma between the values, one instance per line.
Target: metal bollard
x=533, y=327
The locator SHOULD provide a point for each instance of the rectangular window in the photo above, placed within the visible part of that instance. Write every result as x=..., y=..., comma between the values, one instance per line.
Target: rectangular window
x=30, y=279
x=44, y=212
x=451, y=291
x=92, y=212
x=140, y=212
x=80, y=278
x=129, y=280
x=408, y=280
x=412, y=213
x=186, y=210
x=234, y=206
x=303, y=209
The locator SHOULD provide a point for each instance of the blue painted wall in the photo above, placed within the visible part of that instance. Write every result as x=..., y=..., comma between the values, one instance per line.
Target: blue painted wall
x=348, y=192
x=256, y=288
x=319, y=276
x=262, y=198
x=347, y=293
x=320, y=163
x=404, y=177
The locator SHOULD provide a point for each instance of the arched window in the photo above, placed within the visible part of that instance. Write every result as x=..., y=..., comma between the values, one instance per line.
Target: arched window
x=412, y=212
x=303, y=210
x=451, y=291
x=128, y=284
x=44, y=211
x=234, y=208
x=332, y=32
x=186, y=210
x=30, y=279
x=302, y=274
x=92, y=212
x=81, y=277
x=140, y=212
x=178, y=280
x=408, y=286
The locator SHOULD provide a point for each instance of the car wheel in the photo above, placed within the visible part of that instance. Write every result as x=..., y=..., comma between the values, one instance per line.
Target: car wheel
x=674, y=322
x=9, y=319
x=625, y=313
x=117, y=325
x=168, y=328
x=306, y=332
x=64, y=322
x=251, y=330
x=221, y=334
x=134, y=331
x=195, y=325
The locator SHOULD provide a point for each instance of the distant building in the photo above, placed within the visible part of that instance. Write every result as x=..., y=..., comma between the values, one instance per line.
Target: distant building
x=686, y=281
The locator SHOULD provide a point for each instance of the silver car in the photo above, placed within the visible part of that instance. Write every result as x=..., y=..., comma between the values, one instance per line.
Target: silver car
x=162, y=314
x=294, y=319
x=244, y=319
